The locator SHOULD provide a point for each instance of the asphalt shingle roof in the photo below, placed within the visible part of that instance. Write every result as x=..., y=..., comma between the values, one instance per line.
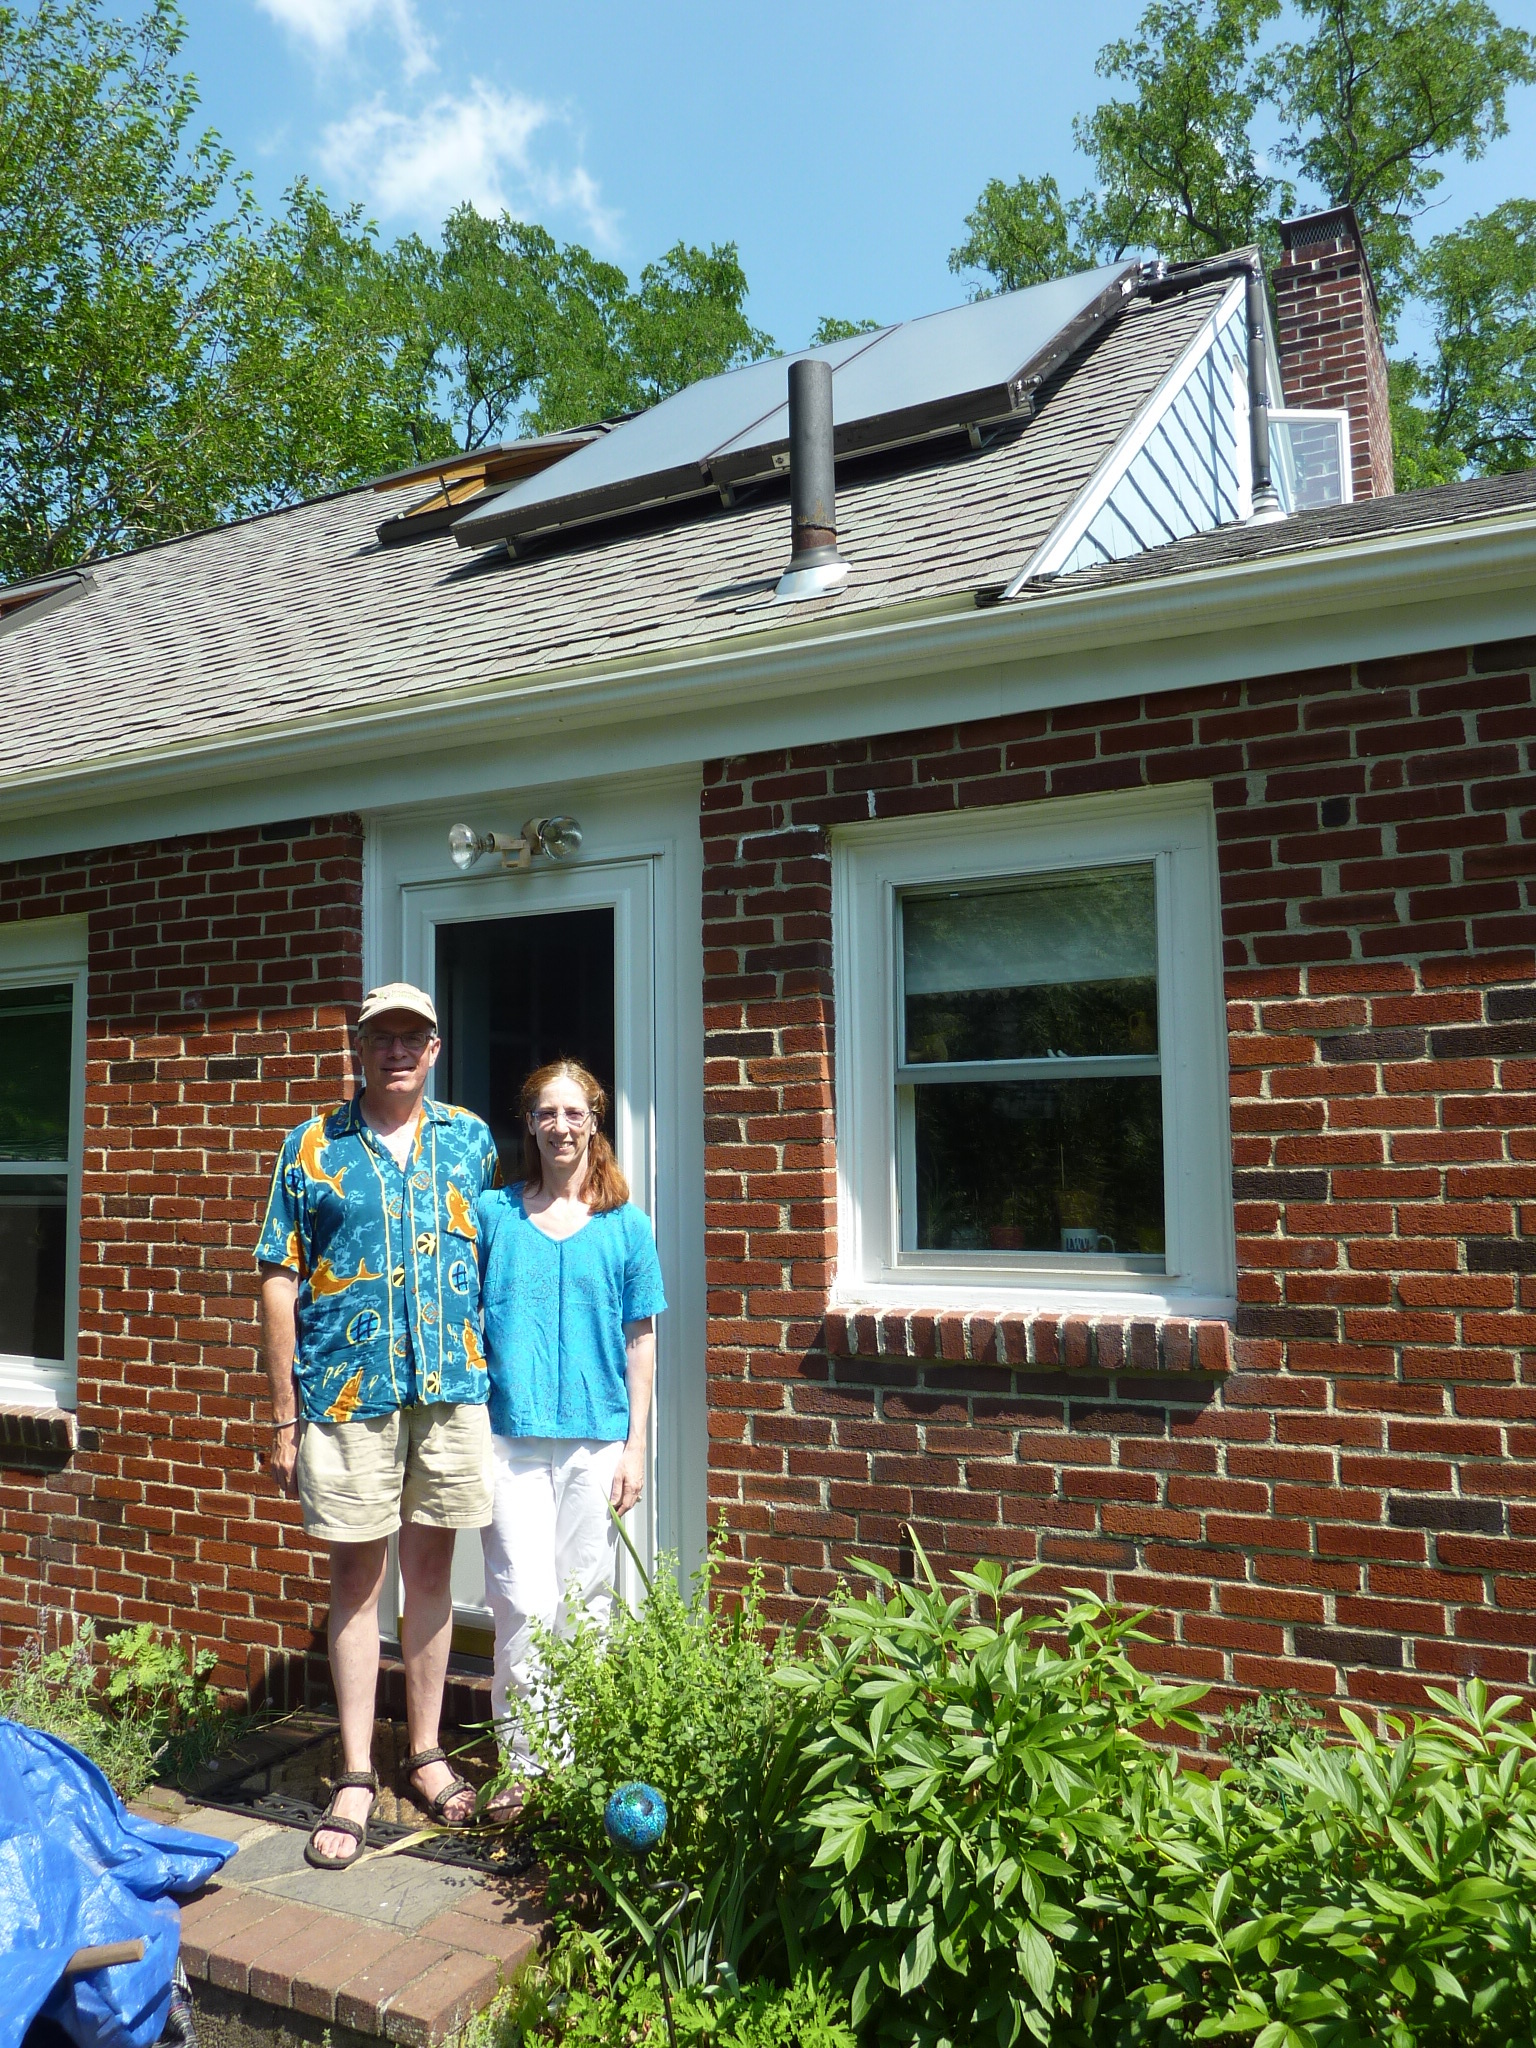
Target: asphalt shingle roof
x=1445, y=505
x=302, y=612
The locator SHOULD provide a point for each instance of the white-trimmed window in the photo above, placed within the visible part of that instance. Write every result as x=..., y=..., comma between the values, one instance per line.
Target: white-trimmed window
x=42, y=1115
x=1031, y=1058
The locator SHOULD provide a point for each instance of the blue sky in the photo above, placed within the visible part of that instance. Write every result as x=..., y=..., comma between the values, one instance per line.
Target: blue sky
x=840, y=146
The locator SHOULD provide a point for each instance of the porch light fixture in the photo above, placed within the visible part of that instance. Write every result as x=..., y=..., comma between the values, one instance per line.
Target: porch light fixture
x=558, y=839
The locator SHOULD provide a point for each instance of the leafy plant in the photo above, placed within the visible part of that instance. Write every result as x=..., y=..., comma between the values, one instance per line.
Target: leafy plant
x=149, y=1707
x=576, y=1997
x=1268, y=1724
x=965, y=1782
x=1389, y=1896
x=677, y=1694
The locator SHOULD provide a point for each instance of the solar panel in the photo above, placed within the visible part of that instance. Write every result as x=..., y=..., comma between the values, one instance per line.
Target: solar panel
x=970, y=366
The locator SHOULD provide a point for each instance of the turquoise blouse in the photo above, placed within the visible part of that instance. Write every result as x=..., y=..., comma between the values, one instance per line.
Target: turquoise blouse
x=555, y=1311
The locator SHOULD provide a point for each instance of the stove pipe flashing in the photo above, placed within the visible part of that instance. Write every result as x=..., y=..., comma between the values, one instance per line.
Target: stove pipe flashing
x=815, y=569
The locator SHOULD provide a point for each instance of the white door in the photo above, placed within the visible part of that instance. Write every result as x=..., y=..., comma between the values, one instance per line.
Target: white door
x=527, y=967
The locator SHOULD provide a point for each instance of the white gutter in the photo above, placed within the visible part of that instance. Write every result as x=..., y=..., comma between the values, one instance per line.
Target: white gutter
x=1396, y=593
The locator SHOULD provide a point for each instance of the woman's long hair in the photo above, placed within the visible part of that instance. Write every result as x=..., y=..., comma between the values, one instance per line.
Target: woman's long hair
x=604, y=1187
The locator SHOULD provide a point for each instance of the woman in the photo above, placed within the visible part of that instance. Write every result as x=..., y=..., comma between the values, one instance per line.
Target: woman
x=571, y=1288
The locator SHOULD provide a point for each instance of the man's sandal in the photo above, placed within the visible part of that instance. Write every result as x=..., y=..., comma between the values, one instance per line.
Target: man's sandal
x=331, y=1820
x=437, y=1805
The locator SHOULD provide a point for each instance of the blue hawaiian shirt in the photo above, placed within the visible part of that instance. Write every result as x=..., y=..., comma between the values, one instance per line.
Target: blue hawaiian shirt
x=388, y=1260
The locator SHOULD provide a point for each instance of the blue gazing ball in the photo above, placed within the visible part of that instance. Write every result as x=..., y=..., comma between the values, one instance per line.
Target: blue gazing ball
x=635, y=1818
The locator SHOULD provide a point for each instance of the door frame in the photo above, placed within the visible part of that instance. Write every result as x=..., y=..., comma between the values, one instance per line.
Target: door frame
x=642, y=855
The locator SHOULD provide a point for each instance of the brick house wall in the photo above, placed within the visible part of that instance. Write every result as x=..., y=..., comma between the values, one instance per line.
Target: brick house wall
x=1352, y=1507
x=221, y=969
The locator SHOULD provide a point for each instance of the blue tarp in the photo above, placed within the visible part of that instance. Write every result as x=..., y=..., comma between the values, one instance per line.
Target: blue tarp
x=77, y=1870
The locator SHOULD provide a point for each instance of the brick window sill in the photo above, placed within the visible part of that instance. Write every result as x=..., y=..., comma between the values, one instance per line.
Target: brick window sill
x=35, y=1436
x=1105, y=1344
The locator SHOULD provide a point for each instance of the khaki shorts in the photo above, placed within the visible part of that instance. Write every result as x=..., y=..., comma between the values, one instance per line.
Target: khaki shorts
x=359, y=1480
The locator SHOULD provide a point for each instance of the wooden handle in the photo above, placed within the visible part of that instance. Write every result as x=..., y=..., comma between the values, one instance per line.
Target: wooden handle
x=104, y=1957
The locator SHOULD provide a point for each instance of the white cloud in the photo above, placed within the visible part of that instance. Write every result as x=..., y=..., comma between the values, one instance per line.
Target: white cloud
x=330, y=24
x=478, y=146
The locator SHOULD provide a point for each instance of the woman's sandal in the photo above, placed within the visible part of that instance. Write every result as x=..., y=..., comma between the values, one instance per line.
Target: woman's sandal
x=338, y=1822
x=437, y=1805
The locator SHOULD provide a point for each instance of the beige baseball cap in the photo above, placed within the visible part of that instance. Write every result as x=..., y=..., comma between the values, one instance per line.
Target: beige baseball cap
x=397, y=995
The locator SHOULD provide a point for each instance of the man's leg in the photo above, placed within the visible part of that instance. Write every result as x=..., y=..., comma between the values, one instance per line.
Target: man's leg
x=426, y=1631
x=357, y=1578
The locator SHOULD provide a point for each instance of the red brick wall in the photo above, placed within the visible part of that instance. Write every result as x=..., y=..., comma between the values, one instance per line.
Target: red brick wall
x=220, y=968
x=1329, y=342
x=1353, y=1509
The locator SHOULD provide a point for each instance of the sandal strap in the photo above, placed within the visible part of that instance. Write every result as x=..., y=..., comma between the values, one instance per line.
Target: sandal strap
x=426, y=1756
x=341, y=1825
x=368, y=1781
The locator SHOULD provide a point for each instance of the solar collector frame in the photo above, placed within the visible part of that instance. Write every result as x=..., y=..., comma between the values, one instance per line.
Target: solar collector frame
x=972, y=366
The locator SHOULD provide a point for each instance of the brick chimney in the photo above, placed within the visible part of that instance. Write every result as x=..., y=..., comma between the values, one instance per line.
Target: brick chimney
x=1329, y=340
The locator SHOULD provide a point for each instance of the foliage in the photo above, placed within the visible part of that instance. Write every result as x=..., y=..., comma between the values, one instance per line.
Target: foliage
x=1375, y=1891
x=1375, y=98
x=149, y=1707
x=678, y=1695
x=966, y=1779
x=171, y=357
x=955, y=1814
x=829, y=328
x=1472, y=405
x=1230, y=124
x=1269, y=1723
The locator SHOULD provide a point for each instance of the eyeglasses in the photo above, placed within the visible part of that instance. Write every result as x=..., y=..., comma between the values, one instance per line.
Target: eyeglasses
x=554, y=1119
x=413, y=1042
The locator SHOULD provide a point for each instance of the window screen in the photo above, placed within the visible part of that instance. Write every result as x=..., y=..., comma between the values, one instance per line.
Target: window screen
x=1029, y=1092
x=36, y=1041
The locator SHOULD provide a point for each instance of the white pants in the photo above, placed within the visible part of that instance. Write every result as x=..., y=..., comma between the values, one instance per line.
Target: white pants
x=551, y=1549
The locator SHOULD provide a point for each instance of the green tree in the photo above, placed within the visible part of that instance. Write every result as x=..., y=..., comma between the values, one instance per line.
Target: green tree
x=1472, y=405
x=171, y=357
x=1370, y=99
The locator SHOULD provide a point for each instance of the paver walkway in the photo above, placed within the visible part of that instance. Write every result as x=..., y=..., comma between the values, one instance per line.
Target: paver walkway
x=399, y=1948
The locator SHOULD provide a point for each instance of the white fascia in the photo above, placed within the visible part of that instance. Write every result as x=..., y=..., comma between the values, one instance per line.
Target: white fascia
x=1064, y=536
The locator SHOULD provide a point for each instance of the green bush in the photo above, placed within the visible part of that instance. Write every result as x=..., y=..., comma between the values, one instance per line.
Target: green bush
x=679, y=1695
x=1369, y=1891
x=965, y=1780
x=149, y=1707
x=805, y=2014
x=949, y=1811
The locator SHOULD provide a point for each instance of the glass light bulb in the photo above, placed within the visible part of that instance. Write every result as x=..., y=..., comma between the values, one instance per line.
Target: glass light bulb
x=464, y=847
x=560, y=838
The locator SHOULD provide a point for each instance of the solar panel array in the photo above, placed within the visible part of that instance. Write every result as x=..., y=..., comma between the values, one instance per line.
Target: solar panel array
x=970, y=366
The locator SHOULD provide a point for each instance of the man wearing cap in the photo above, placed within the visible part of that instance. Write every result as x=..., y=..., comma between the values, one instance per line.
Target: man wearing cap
x=370, y=1331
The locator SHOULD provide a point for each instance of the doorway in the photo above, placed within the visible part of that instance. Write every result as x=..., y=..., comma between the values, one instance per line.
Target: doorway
x=526, y=968
x=514, y=993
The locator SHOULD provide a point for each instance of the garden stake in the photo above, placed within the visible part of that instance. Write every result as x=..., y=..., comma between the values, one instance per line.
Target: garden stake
x=635, y=1820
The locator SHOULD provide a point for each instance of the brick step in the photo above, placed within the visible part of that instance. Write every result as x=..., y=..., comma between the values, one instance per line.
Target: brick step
x=466, y=1693
x=396, y=1950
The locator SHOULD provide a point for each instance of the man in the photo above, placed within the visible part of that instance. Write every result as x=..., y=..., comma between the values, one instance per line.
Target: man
x=370, y=1332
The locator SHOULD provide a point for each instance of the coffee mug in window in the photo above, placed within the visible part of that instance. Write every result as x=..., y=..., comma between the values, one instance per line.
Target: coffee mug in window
x=1083, y=1237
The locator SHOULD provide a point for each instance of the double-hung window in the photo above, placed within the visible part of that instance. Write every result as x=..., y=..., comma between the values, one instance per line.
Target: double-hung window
x=42, y=1040
x=1032, y=1091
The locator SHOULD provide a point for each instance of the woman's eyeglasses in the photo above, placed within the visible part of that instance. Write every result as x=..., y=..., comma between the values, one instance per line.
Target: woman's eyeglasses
x=554, y=1119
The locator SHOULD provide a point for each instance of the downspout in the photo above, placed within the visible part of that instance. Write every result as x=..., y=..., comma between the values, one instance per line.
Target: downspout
x=1160, y=280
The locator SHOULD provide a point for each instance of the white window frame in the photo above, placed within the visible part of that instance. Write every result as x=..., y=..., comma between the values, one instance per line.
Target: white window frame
x=40, y=952
x=1175, y=831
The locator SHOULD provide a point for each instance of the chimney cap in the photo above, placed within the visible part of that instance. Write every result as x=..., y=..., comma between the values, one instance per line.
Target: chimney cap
x=1305, y=232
